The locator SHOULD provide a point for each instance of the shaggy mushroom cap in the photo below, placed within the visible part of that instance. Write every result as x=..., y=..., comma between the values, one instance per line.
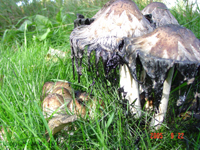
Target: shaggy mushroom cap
x=63, y=84
x=160, y=14
x=63, y=92
x=51, y=103
x=57, y=123
x=121, y=18
x=157, y=52
x=48, y=87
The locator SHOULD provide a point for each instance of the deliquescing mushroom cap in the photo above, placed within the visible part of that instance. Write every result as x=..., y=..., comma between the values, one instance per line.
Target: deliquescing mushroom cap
x=160, y=14
x=122, y=18
x=160, y=50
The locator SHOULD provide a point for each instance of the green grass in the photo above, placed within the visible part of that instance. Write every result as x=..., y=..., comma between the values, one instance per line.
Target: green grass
x=23, y=72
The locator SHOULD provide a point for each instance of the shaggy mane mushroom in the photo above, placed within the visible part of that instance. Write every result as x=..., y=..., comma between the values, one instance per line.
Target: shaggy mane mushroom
x=117, y=19
x=121, y=18
x=158, y=53
x=158, y=15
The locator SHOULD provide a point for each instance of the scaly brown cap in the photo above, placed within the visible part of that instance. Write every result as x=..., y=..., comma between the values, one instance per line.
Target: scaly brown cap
x=51, y=103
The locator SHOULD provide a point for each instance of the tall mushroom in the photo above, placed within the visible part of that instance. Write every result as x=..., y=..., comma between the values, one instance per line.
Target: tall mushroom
x=121, y=18
x=158, y=15
x=158, y=53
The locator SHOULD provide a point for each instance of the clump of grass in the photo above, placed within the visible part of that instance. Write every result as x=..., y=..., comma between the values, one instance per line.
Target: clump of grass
x=188, y=17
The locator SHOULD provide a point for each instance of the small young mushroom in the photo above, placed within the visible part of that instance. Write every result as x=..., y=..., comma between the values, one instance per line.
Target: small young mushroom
x=64, y=84
x=51, y=104
x=146, y=103
x=158, y=53
x=63, y=92
x=48, y=87
x=57, y=123
x=3, y=133
x=160, y=14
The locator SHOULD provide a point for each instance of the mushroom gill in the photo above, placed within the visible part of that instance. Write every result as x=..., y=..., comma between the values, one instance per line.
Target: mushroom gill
x=158, y=53
x=160, y=14
x=121, y=18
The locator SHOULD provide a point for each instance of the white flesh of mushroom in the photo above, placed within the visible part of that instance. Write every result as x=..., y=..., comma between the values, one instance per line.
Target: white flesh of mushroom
x=132, y=88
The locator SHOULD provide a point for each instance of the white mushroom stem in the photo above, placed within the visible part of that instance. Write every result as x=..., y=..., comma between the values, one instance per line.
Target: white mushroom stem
x=158, y=118
x=132, y=89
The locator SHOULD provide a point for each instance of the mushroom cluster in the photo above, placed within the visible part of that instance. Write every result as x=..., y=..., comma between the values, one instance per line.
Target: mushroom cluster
x=148, y=46
x=158, y=59
x=59, y=105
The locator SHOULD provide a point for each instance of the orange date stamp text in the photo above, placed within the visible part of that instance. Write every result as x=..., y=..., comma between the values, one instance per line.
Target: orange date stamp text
x=160, y=135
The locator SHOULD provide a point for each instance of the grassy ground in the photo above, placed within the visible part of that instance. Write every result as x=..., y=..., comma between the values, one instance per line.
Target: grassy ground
x=23, y=72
